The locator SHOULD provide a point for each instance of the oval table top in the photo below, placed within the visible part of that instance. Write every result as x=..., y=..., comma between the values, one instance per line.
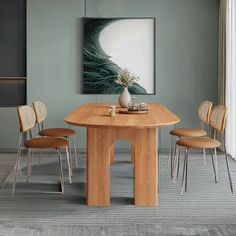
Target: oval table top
x=97, y=115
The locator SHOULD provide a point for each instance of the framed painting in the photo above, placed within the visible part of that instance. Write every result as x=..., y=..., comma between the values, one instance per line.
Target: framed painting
x=112, y=45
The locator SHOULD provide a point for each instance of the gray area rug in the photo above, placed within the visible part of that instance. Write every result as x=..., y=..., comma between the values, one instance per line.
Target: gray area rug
x=37, y=208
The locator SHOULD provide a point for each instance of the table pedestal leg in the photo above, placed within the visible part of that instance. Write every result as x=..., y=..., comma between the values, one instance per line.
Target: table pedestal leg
x=146, y=182
x=100, y=152
x=98, y=167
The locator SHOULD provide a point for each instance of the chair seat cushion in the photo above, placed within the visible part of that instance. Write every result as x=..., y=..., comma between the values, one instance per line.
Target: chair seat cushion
x=57, y=132
x=44, y=142
x=188, y=132
x=200, y=142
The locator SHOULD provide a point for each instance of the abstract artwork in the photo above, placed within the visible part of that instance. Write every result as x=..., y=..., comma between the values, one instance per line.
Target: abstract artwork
x=111, y=45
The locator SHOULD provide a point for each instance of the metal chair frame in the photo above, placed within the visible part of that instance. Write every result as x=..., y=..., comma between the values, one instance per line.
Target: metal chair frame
x=216, y=132
x=69, y=140
x=68, y=151
x=214, y=165
x=173, y=161
x=20, y=147
x=29, y=163
x=176, y=160
x=68, y=154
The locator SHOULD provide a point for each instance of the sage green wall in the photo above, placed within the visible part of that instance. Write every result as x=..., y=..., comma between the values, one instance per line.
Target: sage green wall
x=186, y=55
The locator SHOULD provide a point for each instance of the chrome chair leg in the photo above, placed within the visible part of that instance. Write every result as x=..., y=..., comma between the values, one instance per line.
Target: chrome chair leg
x=70, y=156
x=76, y=156
x=16, y=171
x=227, y=163
x=29, y=165
x=169, y=156
x=21, y=149
x=229, y=175
x=214, y=168
x=204, y=157
x=176, y=160
x=178, y=164
x=174, y=164
x=216, y=162
x=173, y=157
x=170, y=152
x=184, y=172
x=69, y=164
x=61, y=171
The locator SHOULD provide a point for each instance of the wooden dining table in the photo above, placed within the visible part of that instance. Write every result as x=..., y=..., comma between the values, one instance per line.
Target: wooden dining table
x=140, y=130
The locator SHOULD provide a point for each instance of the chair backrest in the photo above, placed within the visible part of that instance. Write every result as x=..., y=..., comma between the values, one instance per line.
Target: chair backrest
x=40, y=111
x=218, y=118
x=204, y=111
x=27, y=118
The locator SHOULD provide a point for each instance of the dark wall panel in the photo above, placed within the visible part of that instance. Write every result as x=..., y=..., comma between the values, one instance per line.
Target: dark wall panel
x=12, y=38
x=12, y=92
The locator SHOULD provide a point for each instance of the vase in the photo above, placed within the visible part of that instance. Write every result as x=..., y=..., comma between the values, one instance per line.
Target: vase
x=124, y=98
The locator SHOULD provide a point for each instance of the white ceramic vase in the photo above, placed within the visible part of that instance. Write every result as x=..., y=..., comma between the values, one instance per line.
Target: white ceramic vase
x=124, y=98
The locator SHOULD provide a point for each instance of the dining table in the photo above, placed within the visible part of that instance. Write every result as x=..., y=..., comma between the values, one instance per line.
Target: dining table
x=140, y=130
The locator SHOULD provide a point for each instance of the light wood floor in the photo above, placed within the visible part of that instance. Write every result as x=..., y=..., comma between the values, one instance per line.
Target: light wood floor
x=7, y=162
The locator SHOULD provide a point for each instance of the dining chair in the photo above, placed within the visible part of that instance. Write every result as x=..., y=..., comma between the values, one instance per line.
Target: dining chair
x=27, y=121
x=217, y=122
x=204, y=111
x=41, y=114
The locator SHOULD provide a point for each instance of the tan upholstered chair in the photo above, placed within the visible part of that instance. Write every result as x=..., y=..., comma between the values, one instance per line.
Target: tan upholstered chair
x=217, y=122
x=204, y=111
x=27, y=120
x=41, y=114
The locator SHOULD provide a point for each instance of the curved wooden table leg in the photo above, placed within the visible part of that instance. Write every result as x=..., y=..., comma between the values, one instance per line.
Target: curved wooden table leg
x=144, y=142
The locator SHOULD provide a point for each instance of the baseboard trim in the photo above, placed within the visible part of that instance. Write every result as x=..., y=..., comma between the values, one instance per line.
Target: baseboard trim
x=84, y=150
x=79, y=150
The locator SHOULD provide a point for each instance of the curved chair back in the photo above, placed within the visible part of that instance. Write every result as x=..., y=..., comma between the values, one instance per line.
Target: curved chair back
x=40, y=111
x=204, y=111
x=218, y=118
x=26, y=117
